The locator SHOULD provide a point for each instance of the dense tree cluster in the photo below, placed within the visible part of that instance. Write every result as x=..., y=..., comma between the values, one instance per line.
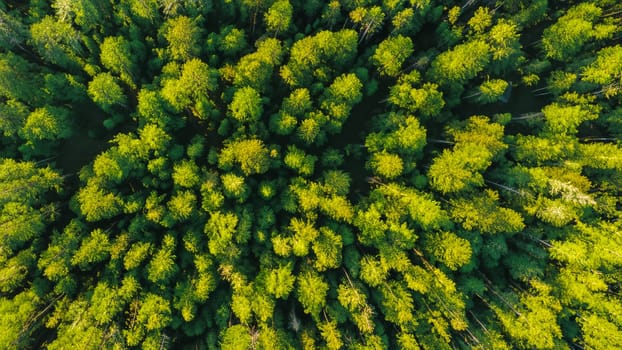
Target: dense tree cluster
x=276, y=174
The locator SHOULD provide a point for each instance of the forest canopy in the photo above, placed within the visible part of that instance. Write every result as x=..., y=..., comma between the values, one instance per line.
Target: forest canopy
x=281, y=174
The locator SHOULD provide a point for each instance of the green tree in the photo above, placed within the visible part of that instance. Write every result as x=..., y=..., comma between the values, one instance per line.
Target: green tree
x=17, y=319
x=331, y=335
x=47, y=123
x=505, y=47
x=24, y=182
x=13, y=33
x=116, y=55
x=606, y=70
x=246, y=106
x=234, y=186
x=304, y=233
x=236, y=337
x=186, y=174
x=232, y=41
x=97, y=204
x=280, y=281
x=182, y=35
x=91, y=15
x=386, y=165
x=18, y=79
x=279, y=16
x=483, y=213
x=427, y=100
x=145, y=9
x=451, y=250
x=182, y=204
x=481, y=20
x=192, y=89
x=404, y=21
x=299, y=161
x=162, y=266
x=255, y=69
x=461, y=63
x=220, y=230
x=456, y=170
x=327, y=247
x=106, y=92
x=94, y=249
x=136, y=254
x=561, y=119
x=346, y=89
x=152, y=108
x=14, y=268
x=153, y=314
x=537, y=318
x=311, y=291
x=56, y=42
x=14, y=116
x=369, y=19
x=478, y=142
x=490, y=91
x=251, y=155
x=575, y=28
x=391, y=54
x=336, y=49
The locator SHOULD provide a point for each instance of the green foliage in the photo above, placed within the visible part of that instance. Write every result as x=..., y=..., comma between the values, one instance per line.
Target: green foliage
x=297, y=160
x=272, y=174
x=56, y=42
x=369, y=19
x=236, y=337
x=47, y=123
x=97, y=204
x=279, y=16
x=461, y=63
x=246, y=106
x=18, y=79
x=451, y=250
x=456, y=170
x=182, y=35
x=538, y=326
x=492, y=90
x=116, y=55
x=476, y=146
x=606, y=70
x=106, y=92
x=312, y=52
x=16, y=314
x=482, y=213
x=573, y=30
x=280, y=282
x=192, y=88
x=391, y=54
x=232, y=40
x=250, y=155
x=426, y=101
x=94, y=249
x=481, y=20
x=234, y=186
x=311, y=292
x=387, y=165
x=162, y=265
x=186, y=174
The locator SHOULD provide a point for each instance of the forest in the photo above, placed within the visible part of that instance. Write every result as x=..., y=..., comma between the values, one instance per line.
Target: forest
x=310, y=174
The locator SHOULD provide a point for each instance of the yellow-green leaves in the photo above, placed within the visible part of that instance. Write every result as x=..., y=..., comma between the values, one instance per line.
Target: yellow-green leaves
x=246, y=106
x=250, y=155
x=106, y=91
x=391, y=54
x=182, y=35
